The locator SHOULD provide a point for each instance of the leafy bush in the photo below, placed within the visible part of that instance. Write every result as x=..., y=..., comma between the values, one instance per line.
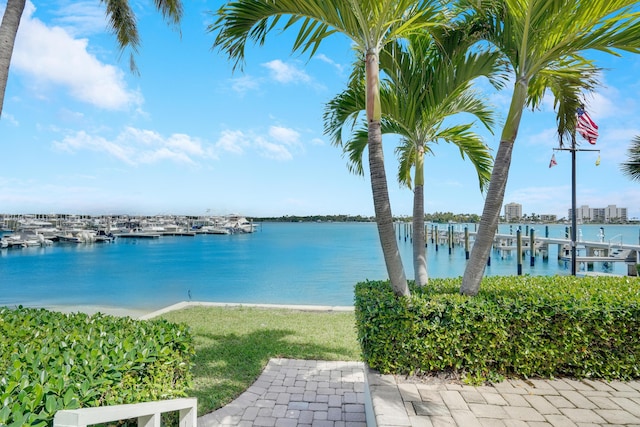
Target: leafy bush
x=51, y=361
x=542, y=326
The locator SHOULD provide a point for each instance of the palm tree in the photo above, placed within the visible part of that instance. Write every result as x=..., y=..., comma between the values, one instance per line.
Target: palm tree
x=631, y=167
x=370, y=25
x=423, y=87
x=543, y=41
x=8, y=31
x=122, y=22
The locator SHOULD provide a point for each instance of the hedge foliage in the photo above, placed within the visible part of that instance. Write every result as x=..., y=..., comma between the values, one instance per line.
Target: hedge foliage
x=542, y=326
x=51, y=361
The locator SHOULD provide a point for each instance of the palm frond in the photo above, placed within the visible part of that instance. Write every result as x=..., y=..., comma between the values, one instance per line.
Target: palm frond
x=406, y=153
x=631, y=168
x=342, y=112
x=473, y=147
x=369, y=24
x=122, y=22
x=354, y=150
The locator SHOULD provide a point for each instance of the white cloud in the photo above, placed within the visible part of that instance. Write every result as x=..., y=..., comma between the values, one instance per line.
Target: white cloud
x=232, y=141
x=274, y=151
x=140, y=146
x=81, y=18
x=602, y=104
x=244, y=84
x=286, y=73
x=541, y=199
x=140, y=136
x=546, y=138
x=186, y=144
x=83, y=141
x=52, y=57
x=615, y=143
x=324, y=58
x=165, y=153
x=284, y=135
x=10, y=118
x=276, y=144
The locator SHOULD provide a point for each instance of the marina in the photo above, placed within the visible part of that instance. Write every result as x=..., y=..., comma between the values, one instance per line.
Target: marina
x=524, y=242
x=43, y=230
x=279, y=263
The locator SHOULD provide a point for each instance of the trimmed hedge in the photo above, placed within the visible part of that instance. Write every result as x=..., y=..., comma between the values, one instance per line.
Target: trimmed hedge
x=542, y=326
x=51, y=361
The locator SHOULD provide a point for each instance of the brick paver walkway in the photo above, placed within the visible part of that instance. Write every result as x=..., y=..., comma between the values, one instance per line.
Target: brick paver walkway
x=293, y=393
x=511, y=403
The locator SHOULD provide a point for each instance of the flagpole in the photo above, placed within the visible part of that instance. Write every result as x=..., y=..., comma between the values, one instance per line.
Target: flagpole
x=589, y=131
x=574, y=220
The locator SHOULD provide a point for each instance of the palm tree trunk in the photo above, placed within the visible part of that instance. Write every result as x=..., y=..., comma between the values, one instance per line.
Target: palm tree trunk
x=381, y=203
x=474, y=270
x=8, y=31
x=382, y=208
x=419, y=251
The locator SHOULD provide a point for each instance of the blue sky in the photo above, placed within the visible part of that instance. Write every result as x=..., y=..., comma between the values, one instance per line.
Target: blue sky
x=81, y=134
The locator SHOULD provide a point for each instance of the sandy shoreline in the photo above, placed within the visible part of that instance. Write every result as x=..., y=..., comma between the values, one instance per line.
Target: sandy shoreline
x=93, y=309
x=149, y=314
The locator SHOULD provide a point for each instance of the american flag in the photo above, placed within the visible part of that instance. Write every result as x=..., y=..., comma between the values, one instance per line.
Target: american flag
x=586, y=127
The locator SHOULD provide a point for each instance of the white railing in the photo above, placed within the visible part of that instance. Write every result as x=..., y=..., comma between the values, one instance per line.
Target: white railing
x=147, y=413
x=612, y=240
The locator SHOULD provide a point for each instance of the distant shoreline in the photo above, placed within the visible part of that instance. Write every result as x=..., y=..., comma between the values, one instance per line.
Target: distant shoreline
x=433, y=218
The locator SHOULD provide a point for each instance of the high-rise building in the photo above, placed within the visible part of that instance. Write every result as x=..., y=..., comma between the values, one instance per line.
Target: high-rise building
x=512, y=212
x=611, y=213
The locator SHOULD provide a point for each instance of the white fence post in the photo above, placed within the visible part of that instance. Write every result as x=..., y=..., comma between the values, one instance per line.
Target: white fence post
x=147, y=413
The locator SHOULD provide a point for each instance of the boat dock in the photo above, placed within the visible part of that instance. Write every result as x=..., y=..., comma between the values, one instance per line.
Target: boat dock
x=528, y=243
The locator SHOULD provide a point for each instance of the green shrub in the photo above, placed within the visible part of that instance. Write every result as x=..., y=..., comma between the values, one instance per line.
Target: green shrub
x=542, y=326
x=51, y=361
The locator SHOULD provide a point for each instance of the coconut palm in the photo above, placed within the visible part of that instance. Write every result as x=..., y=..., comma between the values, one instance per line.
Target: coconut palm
x=631, y=167
x=543, y=41
x=8, y=31
x=424, y=86
x=122, y=22
x=370, y=25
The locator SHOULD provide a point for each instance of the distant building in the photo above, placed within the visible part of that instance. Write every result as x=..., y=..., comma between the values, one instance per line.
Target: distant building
x=512, y=212
x=611, y=213
x=615, y=214
x=548, y=218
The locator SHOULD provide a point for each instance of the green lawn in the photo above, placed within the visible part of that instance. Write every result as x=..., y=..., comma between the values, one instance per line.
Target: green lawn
x=234, y=344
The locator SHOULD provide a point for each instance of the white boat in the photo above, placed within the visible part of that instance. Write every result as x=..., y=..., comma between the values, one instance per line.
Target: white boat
x=239, y=224
x=104, y=237
x=24, y=239
x=68, y=238
x=214, y=229
x=77, y=236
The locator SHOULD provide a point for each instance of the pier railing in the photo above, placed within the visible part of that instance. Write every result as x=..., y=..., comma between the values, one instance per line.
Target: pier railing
x=147, y=413
x=612, y=241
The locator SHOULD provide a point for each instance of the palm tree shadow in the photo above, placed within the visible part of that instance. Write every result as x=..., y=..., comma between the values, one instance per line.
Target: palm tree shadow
x=226, y=365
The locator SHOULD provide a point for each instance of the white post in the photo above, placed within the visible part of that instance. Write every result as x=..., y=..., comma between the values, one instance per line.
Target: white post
x=147, y=413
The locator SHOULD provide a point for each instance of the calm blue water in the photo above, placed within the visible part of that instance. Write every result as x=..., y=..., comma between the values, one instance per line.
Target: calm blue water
x=282, y=263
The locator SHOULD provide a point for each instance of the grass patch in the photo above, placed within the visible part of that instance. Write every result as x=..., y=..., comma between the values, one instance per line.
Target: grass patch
x=234, y=344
